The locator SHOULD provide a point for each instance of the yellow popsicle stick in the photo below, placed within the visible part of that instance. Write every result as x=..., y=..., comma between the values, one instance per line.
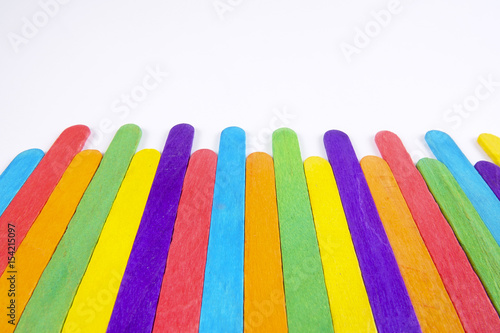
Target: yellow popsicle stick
x=45, y=233
x=433, y=307
x=491, y=145
x=96, y=295
x=349, y=305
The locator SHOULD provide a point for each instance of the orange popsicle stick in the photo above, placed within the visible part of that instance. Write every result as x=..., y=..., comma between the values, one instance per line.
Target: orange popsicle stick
x=45, y=233
x=433, y=307
x=264, y=301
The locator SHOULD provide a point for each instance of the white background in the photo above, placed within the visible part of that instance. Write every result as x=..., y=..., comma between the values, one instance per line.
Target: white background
x=238, y=64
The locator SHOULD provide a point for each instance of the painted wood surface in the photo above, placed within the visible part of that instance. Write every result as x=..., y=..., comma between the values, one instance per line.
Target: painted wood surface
x=349, y=304
x=41, y=240
x=307, y=304
x=222, y=301
x=14, y=176
x=182, y=287
x=480, y=246
x=463, y=285
x=264, y=299
x=389, y=300
x=480, y=195
x=491, y=175
x=60, y=279
x=135, y=304
x=96, y=295
x=434, y=309
x=30, y=199
x=491, y=145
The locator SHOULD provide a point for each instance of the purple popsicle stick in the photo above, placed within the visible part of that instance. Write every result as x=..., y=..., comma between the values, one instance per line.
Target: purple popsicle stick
x=491, y=175
x=135, y=306
x=391, y=305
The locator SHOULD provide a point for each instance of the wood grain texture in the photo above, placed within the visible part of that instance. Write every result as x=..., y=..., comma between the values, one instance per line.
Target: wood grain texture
x=135, y=305
x=14, y=176
x=349, y=304
x=264, y=301
x=491, y=145
x=461, y=282
x=222, y=301
x=480, y=195
x=182, y=287
x=434, y=309
x=389, y=300
x=96, y=295
x=306, y=297
x=60, y=279
x=478, y=243
x=30, y=199
x=491, y=175
x=44, y=235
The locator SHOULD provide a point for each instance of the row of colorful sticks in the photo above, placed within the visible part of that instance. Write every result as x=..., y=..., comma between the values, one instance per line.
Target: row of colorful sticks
x=141, y=242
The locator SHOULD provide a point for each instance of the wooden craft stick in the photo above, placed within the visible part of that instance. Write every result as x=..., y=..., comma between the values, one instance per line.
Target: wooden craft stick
x=35, y=192
x=14, y=176
x=480, y=195
x=52, y=297
x=264, y=301
x=433, y=307
x=306, y=297
x=41, y=240
x=389, y=300
x=349, y=305
x=491, y=145
x=135, y=305
x=476, y=240
x=222, y=301
x=182, y=287
x=96, y=295
x=461, y=282
x=491, y=175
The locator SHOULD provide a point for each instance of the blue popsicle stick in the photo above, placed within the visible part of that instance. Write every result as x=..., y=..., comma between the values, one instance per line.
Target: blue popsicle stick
x=14, y=176
x=222, y=301
x=481, y=196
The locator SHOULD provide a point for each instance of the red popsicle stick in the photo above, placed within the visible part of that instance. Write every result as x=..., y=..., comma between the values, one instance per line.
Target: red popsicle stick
x=182, y=288
x=471, y=302
x=31, y=198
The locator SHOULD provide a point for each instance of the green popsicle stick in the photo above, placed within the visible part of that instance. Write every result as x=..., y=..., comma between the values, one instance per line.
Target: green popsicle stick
x=306, y=298
x=51, y=299
x=476, y=240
